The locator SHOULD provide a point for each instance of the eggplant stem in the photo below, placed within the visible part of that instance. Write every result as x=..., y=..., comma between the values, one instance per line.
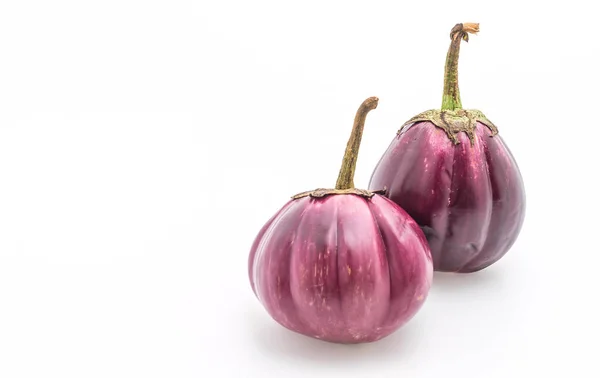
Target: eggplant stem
x=451, y=94
x=346, y=176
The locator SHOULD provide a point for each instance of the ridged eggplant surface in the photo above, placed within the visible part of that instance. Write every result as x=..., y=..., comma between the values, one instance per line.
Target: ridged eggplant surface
x=341, y=268
x=468, y=197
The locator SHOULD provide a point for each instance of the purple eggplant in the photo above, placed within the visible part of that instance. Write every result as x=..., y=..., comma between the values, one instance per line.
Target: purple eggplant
x=452, y=172
x=343, y=265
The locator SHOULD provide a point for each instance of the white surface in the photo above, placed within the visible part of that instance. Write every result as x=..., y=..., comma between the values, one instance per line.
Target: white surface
x=144, y=143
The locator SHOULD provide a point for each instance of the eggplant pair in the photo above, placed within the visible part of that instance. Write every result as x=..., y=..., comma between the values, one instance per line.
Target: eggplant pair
x=349, y=265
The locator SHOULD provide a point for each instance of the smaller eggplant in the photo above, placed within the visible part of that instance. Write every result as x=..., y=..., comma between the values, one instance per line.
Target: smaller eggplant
x=343, y=265
x=453, y=173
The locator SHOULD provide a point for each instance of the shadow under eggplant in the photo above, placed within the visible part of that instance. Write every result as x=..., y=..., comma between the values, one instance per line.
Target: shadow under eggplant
x=491, y=279
x=278, y=342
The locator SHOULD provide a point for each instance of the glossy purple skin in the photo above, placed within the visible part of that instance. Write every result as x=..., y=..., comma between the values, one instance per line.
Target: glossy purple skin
x=469, y=200
x=341, y=268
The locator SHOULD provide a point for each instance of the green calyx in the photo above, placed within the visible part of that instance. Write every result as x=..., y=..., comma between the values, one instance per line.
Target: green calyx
x=321, y=192
x=452, y=118
x=453, y=122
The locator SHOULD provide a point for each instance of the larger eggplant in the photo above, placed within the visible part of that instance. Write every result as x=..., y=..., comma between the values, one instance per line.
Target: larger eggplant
x=452, y=172
x=343, y=265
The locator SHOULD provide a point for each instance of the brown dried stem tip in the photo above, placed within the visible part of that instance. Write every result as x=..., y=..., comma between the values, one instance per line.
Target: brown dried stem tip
x=465, y=29
x=451, y=95
x=346, y=176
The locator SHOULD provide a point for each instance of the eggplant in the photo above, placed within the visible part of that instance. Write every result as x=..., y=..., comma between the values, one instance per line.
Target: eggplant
x=343, y=265
x=453, y=173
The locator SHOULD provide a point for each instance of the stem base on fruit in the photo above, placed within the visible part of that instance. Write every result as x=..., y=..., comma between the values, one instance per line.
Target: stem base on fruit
x=321, y=192
x=453, y=122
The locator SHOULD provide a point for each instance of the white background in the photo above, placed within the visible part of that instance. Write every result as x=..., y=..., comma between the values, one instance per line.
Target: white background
x=144, y=143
